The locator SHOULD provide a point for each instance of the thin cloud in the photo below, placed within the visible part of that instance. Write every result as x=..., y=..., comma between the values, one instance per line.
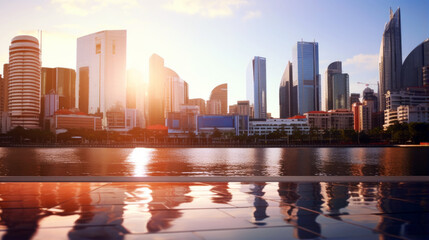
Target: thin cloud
x=363, y=61
x=85, y=7
x=205, y=8
x=252, y=14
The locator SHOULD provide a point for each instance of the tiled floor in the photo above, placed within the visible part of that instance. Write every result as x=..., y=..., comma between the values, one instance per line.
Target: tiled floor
x=271, y=210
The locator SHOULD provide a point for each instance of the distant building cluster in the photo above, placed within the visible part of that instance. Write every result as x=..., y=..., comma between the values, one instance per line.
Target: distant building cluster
x=100, y=94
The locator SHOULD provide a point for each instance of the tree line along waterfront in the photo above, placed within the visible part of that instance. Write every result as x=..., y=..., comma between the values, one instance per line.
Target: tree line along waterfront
x=399, y=133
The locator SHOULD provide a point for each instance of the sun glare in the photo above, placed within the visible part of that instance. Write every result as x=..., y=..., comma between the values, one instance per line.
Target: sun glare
x=139, y=158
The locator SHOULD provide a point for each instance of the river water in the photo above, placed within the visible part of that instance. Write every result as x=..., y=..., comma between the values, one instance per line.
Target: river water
x=214, y=161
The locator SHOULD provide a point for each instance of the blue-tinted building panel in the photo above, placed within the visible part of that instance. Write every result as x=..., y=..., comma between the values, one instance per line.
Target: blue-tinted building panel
x=216, y=121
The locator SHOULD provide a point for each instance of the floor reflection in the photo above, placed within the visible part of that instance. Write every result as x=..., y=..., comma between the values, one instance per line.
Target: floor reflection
x=305, y=210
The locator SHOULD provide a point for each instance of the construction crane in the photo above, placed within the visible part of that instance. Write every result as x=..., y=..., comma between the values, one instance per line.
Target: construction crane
x=367, y=84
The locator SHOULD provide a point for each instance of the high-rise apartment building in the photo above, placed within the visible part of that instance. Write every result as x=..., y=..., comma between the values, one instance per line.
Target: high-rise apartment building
x=336, y=93
x=220, y=93
x=287, y=94
x=24, y=82
x=306, y=77
x=390, y=62
x=256, y=86
x=101, y=76
x=413, y=68
x=405, y=105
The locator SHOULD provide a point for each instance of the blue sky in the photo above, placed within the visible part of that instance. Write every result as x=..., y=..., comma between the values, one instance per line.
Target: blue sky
x=211, y=42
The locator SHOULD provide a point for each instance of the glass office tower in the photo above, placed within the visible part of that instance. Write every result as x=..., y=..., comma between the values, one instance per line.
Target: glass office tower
x=390, y=61
x=306, y=77
x=101, y=76
x=336, y=90
x=256, y=86
x=287, y=98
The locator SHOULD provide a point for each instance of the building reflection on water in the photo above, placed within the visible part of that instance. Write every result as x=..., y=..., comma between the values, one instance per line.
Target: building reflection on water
x=109, y=211
x=213, y=161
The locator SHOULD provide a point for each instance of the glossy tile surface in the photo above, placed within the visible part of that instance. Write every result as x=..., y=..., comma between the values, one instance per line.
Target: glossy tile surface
x=224, y=210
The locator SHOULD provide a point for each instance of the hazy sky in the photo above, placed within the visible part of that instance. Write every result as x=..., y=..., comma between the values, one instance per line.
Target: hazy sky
x=209, y=42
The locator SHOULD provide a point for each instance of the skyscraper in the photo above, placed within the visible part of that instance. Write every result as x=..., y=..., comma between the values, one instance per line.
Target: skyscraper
x=24, y=82
x=101, y=76
x=306, y=77
x=287, y=98
x=63, y=82
x=174, y=95
x=156, y=91
x=336, y=94
x=414, y=65
x=390, y=61
x=220, y=93
x=256, y=86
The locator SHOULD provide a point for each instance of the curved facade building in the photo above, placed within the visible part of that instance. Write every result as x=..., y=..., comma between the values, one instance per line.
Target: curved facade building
x=220, y=93
x=413, y=69
x=24, y=82
x=390, y=61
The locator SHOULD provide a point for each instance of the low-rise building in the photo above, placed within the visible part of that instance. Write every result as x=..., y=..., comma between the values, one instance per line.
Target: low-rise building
x=332, y=119
x=234, y=124
x=69, y=119
x=265, y=127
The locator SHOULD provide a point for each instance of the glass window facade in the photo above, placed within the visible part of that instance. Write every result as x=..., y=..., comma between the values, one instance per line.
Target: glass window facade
x=390, y=62
x=256, y=86
x=306, y=76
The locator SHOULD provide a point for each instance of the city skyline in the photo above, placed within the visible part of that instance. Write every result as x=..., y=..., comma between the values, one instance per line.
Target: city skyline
x=211, y=51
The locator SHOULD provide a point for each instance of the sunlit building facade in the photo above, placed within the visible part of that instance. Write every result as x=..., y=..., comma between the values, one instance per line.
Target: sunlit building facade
x=256, y=86
x=24, y=82
x=174, y=92
x=220, y=93
x=336, y=88
x=101, y=76
x=63, y=82
x=156, y=90
x=406, y=106
x=201, y=103
x=287, y=126
x=306, y=77
x=214, y=107
x=390, y=62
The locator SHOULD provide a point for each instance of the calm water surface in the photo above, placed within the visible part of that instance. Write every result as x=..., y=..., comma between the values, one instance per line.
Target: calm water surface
x=213, y=161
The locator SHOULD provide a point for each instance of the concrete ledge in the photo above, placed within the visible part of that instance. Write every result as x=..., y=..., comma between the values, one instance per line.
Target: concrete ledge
x=215, y=179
